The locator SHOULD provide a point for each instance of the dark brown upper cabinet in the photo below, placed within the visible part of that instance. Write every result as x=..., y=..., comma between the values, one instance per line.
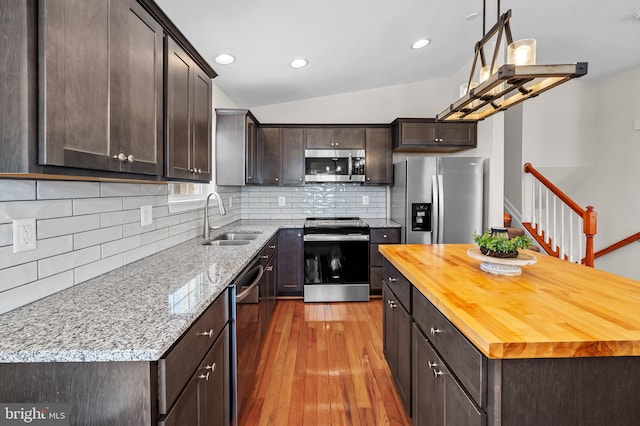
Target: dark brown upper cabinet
x=100, y=86
x=334, y=138
x=292, y=156
x=428, y=135
x=378, y=160
x=188, y=117
x=236, y=147
x=269, y=156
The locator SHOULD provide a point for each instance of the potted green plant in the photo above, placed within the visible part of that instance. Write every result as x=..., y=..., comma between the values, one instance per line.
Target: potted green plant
x=496, y=243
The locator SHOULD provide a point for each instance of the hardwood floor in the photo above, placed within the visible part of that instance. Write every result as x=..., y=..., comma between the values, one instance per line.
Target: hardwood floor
x=323, y=364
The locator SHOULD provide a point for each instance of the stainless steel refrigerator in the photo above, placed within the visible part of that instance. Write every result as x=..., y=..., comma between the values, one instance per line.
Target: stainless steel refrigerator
x=438, y=200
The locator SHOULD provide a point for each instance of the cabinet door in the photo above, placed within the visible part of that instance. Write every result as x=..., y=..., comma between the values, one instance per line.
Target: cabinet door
x=215, y=395
x=186, y=410
x=457, y=134
x=388, y=329
x=417, y=134
x=319, y=138
x=251, y=159
x=75, y=66
x=378, y=157
x=179, y=114
x=201, y=142
x=349, y=138
x=290, y=262
x=269, y=160
x=403, y=354
x=458, y=408
x=292, y=156
x=137, y=108
x=428, y=389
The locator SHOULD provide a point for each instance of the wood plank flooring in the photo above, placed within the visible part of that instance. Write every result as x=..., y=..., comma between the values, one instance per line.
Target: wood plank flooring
x=322, y=364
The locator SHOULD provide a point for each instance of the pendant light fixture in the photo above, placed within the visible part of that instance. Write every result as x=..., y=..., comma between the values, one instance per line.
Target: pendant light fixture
x=509, y=84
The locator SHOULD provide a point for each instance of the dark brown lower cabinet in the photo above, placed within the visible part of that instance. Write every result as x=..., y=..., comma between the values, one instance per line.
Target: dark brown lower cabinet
x=397, y=343
x=438, y=399
x=290, y=266
x=379, y=236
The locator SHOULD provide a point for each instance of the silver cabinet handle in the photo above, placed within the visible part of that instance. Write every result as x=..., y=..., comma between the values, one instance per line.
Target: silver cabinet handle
x=272, y=246
x=368, y=178
x=337, y=144
x=209, y=333
x=204, y=376
x=130, y=158
x=393, y=305
x=432, y=364
x=264, y=256
x=120, y=157
x=276, y=179
x=299, y=235
x=435, y=331
x=211, y=367
x=392, y=280
x=384, y=236
x=437, y=373
x=269, y=268
x=300, y=180
x=199, y=170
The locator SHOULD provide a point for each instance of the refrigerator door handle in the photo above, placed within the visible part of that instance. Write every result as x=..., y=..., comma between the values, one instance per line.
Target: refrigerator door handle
x=435, y=202
x=440, y=209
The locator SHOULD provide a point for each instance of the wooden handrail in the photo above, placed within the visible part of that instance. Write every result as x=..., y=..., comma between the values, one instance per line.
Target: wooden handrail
x=615, y=246
x=528, y=168
x=588, y=215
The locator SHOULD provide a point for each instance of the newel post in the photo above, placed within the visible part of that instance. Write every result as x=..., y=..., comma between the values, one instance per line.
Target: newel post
x=589, y=220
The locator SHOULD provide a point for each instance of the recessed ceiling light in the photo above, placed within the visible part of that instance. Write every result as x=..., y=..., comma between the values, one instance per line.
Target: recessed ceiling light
x=421, y=43
x=471, y=16
x=298, y=63
x=225, y=59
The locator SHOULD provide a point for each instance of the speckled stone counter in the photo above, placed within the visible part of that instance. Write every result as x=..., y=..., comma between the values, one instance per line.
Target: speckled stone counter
x=134, y=313
x=382, y=223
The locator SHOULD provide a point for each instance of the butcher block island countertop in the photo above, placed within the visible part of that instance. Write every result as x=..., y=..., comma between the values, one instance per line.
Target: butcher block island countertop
x=555, y=309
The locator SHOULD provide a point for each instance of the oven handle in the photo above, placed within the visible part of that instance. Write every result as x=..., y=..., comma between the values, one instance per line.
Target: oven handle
x=336, y=237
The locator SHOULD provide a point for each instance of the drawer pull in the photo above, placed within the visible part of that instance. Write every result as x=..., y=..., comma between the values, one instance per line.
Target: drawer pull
x=204, y=376
x=432, y=364
x=207, y=333
x=435, y=331
x=211, y=367
x=272, y=246
x=384, y=235
x=437, y=373
x=269, y=268
x=393, y=305
x=392, y=280
x=264, y=256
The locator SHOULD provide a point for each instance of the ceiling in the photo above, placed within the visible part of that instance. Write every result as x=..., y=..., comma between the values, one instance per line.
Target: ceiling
x=362, y=44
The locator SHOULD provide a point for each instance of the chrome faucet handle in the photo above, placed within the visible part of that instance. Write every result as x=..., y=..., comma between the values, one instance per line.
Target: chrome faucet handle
x=206, y=227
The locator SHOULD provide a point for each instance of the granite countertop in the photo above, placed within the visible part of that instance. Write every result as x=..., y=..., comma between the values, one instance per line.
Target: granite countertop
x=134, y=313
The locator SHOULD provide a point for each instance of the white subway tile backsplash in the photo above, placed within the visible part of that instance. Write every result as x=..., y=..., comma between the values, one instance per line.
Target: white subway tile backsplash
x=161, y=211
x=98, y=236
x=91, y=270
x=129, y=203
x=50, y=189
x=18, y=275
x=120, y=246
x=6, y=234
x=162, y=200
x=165, y=222
x=136, y=228
x=119, y=218
x=64, y=262
x=112, y=189
x=27, y=293
x=170, y=242
x=17, y=190
x=139, y=253
x=48, y=228
x=96, y=205
x=38, y=209
x=151, y=237
x=45, y=248
x=154, y=189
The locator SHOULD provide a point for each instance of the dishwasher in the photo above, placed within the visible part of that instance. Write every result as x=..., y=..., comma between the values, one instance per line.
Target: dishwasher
x=248, y=332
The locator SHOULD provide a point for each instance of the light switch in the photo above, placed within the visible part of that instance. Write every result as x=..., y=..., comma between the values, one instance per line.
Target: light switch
x=365, y=200
x=281, y=201
x=146, y=215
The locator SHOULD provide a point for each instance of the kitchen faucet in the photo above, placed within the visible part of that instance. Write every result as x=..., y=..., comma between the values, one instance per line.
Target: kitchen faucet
x=206, y=230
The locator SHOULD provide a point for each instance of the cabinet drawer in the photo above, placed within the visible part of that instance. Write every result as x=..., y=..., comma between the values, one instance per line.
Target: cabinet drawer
x=385, y=235
x=269, y=251
x=465, y=361
x=398, y=284
x=176, y=367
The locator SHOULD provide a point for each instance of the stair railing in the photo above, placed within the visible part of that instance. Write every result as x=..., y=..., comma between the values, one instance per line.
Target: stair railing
x=557, y=228
x=615, y=246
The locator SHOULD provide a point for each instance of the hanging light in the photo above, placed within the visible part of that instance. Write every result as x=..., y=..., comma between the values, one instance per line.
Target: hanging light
x=503, y=86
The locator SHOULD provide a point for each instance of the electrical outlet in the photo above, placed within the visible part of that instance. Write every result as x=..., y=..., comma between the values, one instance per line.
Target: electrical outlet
x=365, y=200
x=146, y=215
x=281, y=201
x=24, y=234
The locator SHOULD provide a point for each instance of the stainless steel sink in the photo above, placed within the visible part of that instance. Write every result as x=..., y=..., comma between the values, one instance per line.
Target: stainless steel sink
x=236, y=236
x=217, y=242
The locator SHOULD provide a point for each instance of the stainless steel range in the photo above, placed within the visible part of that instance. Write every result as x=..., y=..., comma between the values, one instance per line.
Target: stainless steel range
x=336, y=260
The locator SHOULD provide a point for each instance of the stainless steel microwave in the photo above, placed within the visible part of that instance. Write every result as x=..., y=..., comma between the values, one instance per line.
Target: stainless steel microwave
x=334, y=165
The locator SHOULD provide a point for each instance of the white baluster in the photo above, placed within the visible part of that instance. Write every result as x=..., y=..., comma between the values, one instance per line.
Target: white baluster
x=540, y=209
x=571, y=237
x=562, y=244
x=546, y=208
x=555, y=223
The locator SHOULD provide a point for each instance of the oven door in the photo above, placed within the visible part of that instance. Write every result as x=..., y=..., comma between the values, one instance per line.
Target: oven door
x=336, y=267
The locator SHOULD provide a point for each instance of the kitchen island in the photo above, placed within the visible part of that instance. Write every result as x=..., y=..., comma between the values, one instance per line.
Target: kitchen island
x=559, y=344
